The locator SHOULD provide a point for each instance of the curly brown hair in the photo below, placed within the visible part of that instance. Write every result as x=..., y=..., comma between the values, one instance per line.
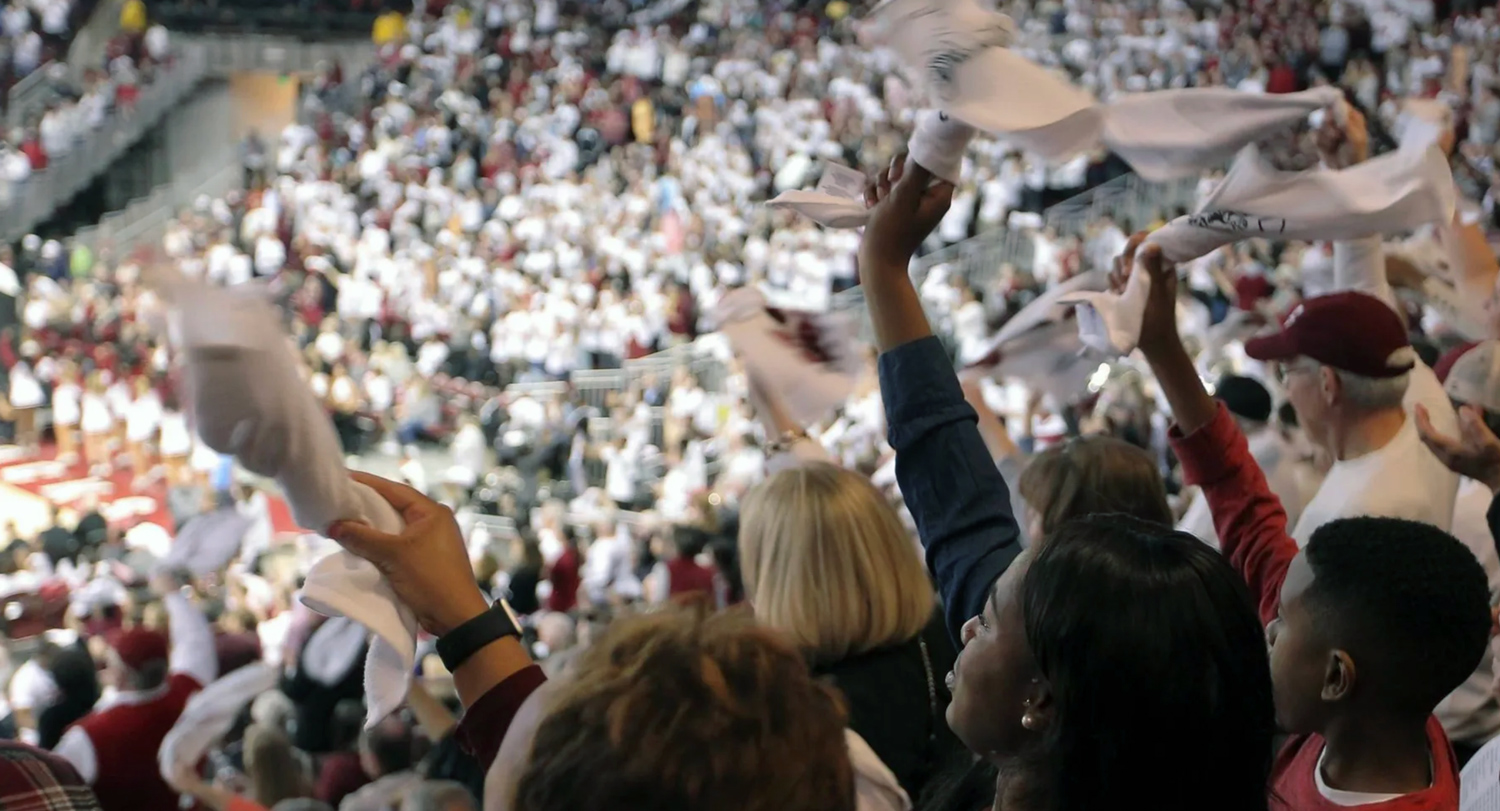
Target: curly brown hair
x=681, y=710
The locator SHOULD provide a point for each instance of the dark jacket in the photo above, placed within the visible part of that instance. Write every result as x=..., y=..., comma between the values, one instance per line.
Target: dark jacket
x=898, y=701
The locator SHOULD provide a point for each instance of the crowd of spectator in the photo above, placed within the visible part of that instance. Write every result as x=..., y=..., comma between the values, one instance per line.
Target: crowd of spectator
x=498, y=269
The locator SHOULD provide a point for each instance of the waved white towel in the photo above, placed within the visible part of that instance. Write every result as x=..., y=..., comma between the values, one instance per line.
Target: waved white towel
x=1397, y=191
x=247, y=399
x=210, y=714
x=810, y=360
x=208, y=542
x=1163, y=135
x=937, y=145
x=957, y=53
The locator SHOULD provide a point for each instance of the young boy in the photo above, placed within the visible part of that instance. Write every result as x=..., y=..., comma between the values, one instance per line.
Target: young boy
x=1370, y=625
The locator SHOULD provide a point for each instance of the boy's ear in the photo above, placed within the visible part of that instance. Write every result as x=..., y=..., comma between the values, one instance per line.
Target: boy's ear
x=1338, y=676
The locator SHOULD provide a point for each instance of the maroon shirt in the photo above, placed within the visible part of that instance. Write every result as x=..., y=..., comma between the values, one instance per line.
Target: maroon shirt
x=340, y=776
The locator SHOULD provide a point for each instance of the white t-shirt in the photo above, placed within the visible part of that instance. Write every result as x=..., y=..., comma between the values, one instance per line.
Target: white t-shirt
x=1279, y=461
x=1401, y=480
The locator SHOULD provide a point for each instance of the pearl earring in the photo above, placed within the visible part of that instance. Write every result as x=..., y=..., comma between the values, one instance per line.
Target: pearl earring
x=1028, y=721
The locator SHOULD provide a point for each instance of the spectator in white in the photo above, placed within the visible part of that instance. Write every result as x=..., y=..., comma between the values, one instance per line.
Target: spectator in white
x=15, y=20
x=56, y=131
x=114, y=747
x=28, y=53
x=609, y=568
x=55, y=18
x=1345, y=363
x=1250, y=404
x=620, y=467
x=470, y=453
x=158, y=43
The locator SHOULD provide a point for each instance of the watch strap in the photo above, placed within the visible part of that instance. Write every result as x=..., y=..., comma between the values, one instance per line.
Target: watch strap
x=456, y=646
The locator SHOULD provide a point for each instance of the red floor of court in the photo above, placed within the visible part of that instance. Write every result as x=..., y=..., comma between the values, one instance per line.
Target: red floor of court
x=29, y=486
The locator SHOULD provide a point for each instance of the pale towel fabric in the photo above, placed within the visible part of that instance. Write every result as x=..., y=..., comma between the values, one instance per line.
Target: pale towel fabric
x=1040, y=343
x=248, y=400
x=1395, y=192
x=776, y=355
x=937, y=145
x=210, y=714
x=208, y=542
x=1163, y=135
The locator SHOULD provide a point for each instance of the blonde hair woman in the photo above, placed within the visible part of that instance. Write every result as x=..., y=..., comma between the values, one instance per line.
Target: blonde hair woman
x=827, y=562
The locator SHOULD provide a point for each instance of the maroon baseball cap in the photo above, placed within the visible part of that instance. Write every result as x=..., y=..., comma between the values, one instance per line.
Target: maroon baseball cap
x=138, y=647
x=1352, y=332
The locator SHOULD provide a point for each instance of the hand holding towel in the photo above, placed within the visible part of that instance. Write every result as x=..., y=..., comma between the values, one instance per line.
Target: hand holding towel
x=246, y=399
x=1394, y=192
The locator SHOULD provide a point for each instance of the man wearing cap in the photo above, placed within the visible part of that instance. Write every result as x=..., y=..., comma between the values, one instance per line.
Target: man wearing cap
x=1345, y=363
x=1470, y=714
x=114, y=747
x=1250, y=403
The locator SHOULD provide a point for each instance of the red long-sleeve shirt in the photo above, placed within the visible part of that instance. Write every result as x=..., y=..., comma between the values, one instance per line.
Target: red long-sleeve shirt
x=1253, y=536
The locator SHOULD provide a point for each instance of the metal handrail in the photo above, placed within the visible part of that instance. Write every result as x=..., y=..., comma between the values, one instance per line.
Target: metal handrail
x=33, y=92
x=144, y=218
x=278, y=54
x=1125, y=198
x=40, y=195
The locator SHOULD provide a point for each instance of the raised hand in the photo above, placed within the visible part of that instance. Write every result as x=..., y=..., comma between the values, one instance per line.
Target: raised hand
x=427, y=564
x=1343, y=146
x=1159, y=324
x=905, y=205
x=1474, y=453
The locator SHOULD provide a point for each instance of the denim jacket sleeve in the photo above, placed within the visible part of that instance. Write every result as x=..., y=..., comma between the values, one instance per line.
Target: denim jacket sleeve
x=957, y=497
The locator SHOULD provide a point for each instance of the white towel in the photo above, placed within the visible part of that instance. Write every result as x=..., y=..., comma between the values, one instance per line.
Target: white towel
x=1397, y=191
x=958, y=54
x=332, y=650
x=937, y=145
x=810, y=360
x=248, y=400
x=207, y=542
x=210, y=714
x=1041, y=345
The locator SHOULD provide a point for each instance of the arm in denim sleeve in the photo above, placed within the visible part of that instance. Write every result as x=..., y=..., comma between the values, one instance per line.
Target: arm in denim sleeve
x=957, y=497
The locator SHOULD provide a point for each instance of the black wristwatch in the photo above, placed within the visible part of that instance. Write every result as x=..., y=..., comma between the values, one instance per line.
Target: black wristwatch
x=456, y=646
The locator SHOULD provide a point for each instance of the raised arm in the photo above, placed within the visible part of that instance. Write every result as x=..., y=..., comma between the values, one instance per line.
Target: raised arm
x=1474, y=453
x=956, y=496
x=428, y=568
x=1215, y=456
x=192, y=652
x=1358, y=264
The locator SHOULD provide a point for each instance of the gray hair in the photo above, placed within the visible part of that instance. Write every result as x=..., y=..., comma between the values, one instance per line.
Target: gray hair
x=439, y=795
x=1372, y=393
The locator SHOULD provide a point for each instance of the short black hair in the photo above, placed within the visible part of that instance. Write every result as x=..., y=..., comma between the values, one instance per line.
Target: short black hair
x=1408, y=598
x=1245, y=397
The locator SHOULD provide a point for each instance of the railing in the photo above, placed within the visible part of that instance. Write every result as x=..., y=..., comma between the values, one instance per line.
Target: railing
x=145, y=218
x=594, y=386
x=30, y=96
x=40, y=195
x=278, y=54
x=1124, y=199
